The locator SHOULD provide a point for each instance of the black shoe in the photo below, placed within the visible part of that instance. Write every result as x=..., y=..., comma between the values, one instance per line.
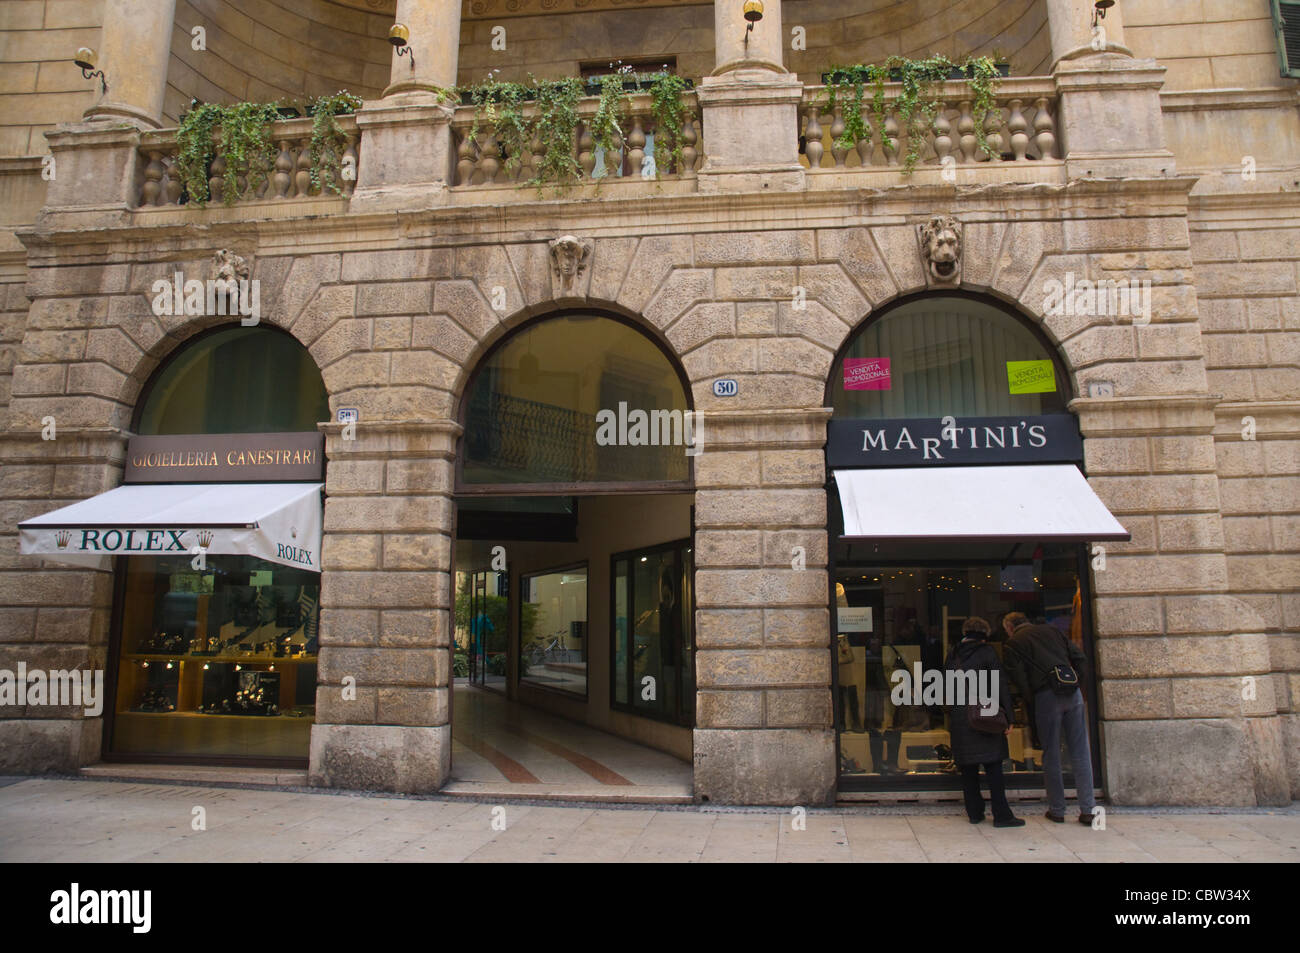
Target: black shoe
x=1010, y=822
x=1055, y=819
x=977, y=820
x=1085, y=819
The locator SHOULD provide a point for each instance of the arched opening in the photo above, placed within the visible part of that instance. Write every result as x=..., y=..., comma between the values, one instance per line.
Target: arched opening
x=213, y=647
x=574, y=563
x=956, y=495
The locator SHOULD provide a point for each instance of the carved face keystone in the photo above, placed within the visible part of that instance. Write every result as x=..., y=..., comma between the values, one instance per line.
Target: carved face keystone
x=941, y=247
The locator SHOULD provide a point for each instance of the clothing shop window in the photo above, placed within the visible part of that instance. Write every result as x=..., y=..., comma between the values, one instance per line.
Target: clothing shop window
x=652, y=630
x=553, y=630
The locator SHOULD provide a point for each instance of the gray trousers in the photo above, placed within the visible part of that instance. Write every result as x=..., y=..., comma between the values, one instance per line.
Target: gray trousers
x=1064, y=715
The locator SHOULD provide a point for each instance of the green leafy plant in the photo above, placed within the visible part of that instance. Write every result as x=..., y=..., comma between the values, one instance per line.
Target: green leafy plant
x=328, y=139
x=242, y=135
x=556, y=126
x=669, y=111
x=918, y=103
x=611, y=111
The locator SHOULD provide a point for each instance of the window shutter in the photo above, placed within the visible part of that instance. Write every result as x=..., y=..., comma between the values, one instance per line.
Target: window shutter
x=1286, y=19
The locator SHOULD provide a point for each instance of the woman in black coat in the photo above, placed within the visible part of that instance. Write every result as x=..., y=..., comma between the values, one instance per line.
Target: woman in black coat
x=971, y=748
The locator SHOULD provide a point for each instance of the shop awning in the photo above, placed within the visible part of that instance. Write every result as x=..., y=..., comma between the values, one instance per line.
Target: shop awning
x=1046, y=502
x=278, y=522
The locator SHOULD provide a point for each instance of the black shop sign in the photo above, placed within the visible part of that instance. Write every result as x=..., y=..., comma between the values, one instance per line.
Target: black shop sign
x=954, y=441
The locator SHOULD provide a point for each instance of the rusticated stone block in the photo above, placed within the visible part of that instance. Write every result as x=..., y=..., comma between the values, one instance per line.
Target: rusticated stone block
x=679, y=292
x=856, y=252
x=409, y=760
x=798, y=708
x=350, y=551
x=358, y=707
x=729, y=709
x=830, y=285
x=738, y=248
x=412, y=706
x=728, y=628
x=354, y=477
x=49, y=745
x=349, y=626
x=785, y=766
x=383, y=666
x=793, y=468
x=380, y=514
x=750, y=668
x=796, y=627
x=412, y=551
x=1129, y=699
x=702, y=323
x=785, y=355
x=19, y=625
x=755, y=318
x=728, y=549
x=415, y=590
x=1200, y=762
x=796, y=548
x=418, y=627
x=761, y=508
x=726, y=468
x=1196, y=532
x=744, y=588
x=815, y=322
x=397, y=265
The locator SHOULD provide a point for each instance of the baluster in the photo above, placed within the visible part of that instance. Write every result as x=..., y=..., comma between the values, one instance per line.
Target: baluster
x=586, y=150
x=689, y=153
x=864, y=146
x=1044, y=130
x=993, y=134
x=491, y=162
x=1017, y=125
x=351, y=160
x=172, y=183
x=153, y=173
x=942, y=134
x=282, y=177
x=635, y=147
x=838, y=152
x=302, y=177
x=892, y=144
x=538, y=151
x=464, y=158
x=813, y=147
x=216, y=183
x=966, y=131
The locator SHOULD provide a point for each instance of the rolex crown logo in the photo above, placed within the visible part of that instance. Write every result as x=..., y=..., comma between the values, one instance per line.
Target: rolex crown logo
x=205, y=538
x=62, y=538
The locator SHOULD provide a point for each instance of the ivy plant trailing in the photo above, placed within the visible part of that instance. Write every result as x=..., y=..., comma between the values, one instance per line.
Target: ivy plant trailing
x=918, y=105
x=242, y=134
x=552, y=125
x=328, y=140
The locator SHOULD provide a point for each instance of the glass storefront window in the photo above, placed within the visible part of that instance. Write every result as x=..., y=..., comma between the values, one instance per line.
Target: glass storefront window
x=531, y=413
x=897, y=615
x=943, y=355
x=218, y=662
x=553, y=630
x=482, y=628
x=236, y=380
x=652, y=633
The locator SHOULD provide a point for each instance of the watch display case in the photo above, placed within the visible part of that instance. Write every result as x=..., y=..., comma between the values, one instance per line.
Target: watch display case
x=218, y=661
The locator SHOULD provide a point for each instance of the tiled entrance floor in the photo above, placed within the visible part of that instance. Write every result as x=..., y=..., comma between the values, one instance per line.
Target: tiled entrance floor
x=500, y=747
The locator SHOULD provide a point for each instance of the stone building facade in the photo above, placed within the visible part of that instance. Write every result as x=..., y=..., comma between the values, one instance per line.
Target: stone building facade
x=1138, y=177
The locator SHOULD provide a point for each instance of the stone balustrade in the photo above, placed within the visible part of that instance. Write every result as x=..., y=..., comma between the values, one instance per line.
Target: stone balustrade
x=480, y=162
x=1021, y=126
x=290, y=177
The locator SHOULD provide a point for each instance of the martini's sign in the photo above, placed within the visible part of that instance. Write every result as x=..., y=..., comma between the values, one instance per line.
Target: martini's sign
x=954, y=441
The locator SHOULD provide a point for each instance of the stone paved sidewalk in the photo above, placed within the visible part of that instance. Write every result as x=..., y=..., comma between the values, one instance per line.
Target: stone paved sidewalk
x=45, y=819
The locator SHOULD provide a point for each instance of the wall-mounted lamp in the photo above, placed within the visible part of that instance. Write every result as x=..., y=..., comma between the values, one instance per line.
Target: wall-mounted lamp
x=86, y=59
x=753, y=13
x=1099, y=10
x=398, y=35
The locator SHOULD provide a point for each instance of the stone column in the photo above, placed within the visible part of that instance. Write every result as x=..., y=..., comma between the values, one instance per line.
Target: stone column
x=434, y=42
x=383, y=699
x=764, y=730
x=134, y=50
x=750, y=106
x=407, y=152
x=1070, y=22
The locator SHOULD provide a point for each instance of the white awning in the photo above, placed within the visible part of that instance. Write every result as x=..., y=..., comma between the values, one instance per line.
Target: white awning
x=278, y=522
x=1044, y=502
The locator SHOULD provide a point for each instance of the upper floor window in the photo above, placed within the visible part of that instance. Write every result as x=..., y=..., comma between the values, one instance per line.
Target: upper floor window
x=1286, y=22
x=940, y=355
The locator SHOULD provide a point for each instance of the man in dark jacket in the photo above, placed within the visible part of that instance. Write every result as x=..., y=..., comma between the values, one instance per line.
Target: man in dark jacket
x=1030, y=654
